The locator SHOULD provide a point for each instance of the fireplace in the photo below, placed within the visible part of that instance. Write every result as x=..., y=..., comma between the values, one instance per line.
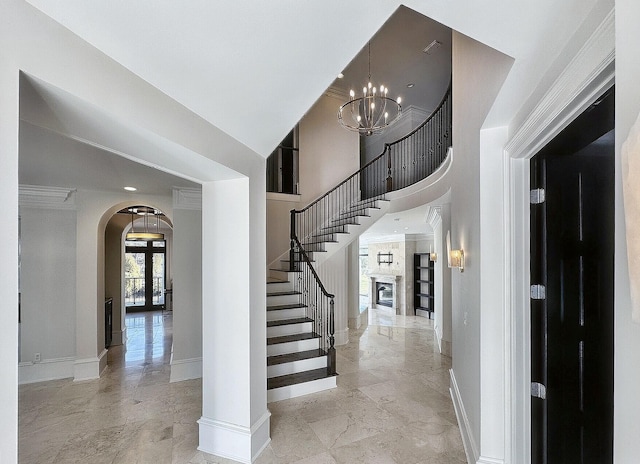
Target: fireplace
x=384, y=294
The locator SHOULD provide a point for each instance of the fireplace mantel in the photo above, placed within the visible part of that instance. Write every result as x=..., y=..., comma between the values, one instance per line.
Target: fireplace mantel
x=394, y=279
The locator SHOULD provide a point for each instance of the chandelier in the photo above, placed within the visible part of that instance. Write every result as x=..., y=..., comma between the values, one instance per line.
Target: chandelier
x=145, y=234
x=372, y=112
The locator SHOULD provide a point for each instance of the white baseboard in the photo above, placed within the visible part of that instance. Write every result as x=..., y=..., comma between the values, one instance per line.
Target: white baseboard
x=48, y=369
x=342, y=336
x=470, y=447
x=185, y=369
x=486, y=460
x=230, y=441
x=118, y=337
x=89, y=368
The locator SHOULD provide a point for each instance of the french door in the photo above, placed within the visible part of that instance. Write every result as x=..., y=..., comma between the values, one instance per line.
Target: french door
x=145, y=272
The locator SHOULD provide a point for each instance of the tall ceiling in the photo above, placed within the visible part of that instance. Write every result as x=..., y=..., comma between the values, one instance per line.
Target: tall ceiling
x=253, y=68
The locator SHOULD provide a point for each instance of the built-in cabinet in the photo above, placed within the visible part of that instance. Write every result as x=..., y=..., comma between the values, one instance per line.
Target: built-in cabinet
x=423, y=288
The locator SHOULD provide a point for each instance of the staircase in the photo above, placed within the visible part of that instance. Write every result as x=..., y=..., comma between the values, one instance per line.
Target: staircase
x=301, y=357
x=296, y=362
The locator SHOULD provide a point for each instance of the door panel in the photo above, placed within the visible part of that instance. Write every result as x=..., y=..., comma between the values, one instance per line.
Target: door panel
x=572, y=256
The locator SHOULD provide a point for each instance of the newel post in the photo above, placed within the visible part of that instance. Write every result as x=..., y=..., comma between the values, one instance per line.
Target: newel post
x=331, y=358
x=292, y=235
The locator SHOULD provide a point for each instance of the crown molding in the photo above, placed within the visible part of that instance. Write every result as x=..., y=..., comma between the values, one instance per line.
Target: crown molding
x=187, y=199
x=586, y=77
x=35, y=196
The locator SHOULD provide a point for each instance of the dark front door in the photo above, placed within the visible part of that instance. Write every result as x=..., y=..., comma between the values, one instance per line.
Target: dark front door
x=572, y=245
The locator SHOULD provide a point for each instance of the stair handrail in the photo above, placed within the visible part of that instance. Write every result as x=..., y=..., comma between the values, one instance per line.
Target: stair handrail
x=327, y=334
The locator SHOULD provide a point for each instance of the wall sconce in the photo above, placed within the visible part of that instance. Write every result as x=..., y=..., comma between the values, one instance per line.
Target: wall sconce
x=433, y=256
x=455, y=257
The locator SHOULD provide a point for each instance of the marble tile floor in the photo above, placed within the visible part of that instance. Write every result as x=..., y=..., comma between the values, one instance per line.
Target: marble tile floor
x=391, y=406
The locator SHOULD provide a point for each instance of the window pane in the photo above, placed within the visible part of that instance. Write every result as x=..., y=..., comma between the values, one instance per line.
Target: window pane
x=159, y=244
x=135, y=243
x=134, y=279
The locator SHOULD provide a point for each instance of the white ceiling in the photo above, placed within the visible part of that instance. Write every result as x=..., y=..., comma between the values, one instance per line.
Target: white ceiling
x=261, y=65
x=398, y=59
x=395, y=226
x=253, y=69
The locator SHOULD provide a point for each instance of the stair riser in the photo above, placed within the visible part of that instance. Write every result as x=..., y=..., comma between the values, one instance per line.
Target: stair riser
x=296, y=366
x=282, y=299
x=280, y=314
x=293, y=391
x=279, y=287
x=293, y=347
x=289, y=329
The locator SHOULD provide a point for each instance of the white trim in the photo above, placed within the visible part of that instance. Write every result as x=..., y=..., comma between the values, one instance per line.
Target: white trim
x=342, y=336
x=584, y=74
x=48, y=369
x=231, y=441
x=185, y=369
x=485, y=460
x=290, y=197
x=470, y=448
x=184, y=198
x=89, y=368
x=118, y=337
x=35, y=196
x=588, y=75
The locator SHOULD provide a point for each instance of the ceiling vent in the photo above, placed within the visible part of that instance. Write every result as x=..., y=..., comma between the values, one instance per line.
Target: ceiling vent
x=432, y=47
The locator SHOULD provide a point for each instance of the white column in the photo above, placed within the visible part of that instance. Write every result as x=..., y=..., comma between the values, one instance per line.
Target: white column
x=494, y=322
x=9, y=260
x=353, y=285
x=89, y=245
x=235, y=419
x=186, y=357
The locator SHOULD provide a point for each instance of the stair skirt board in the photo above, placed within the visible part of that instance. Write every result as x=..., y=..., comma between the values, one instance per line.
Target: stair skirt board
x=289, y=329
x=293, y=347
x=282, y=314
x=300, y=389
x=294, y=367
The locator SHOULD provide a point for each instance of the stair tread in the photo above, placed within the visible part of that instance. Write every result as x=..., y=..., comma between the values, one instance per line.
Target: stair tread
x=276, y=281
x=283, y=270
x=286, y=306
x=295, y=320
x=284, y=293
x=299, y=356
x=292, y=338
x=300, y=377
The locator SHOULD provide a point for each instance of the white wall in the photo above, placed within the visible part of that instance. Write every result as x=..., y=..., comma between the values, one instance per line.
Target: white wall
x=48, y=272
x=186, y=359
x=627, y=334
x=478, y=72
x=328, y=153
x=279, y=206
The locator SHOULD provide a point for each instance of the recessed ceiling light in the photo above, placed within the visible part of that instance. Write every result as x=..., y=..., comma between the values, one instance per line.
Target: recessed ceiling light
x=340, y=76
x=395, y=231
x=130, y=189
x=406, y=228
x=410, y=85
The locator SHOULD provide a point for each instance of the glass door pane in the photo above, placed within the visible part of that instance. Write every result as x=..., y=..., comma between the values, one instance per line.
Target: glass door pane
x=158, y=279
x=134, y=268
